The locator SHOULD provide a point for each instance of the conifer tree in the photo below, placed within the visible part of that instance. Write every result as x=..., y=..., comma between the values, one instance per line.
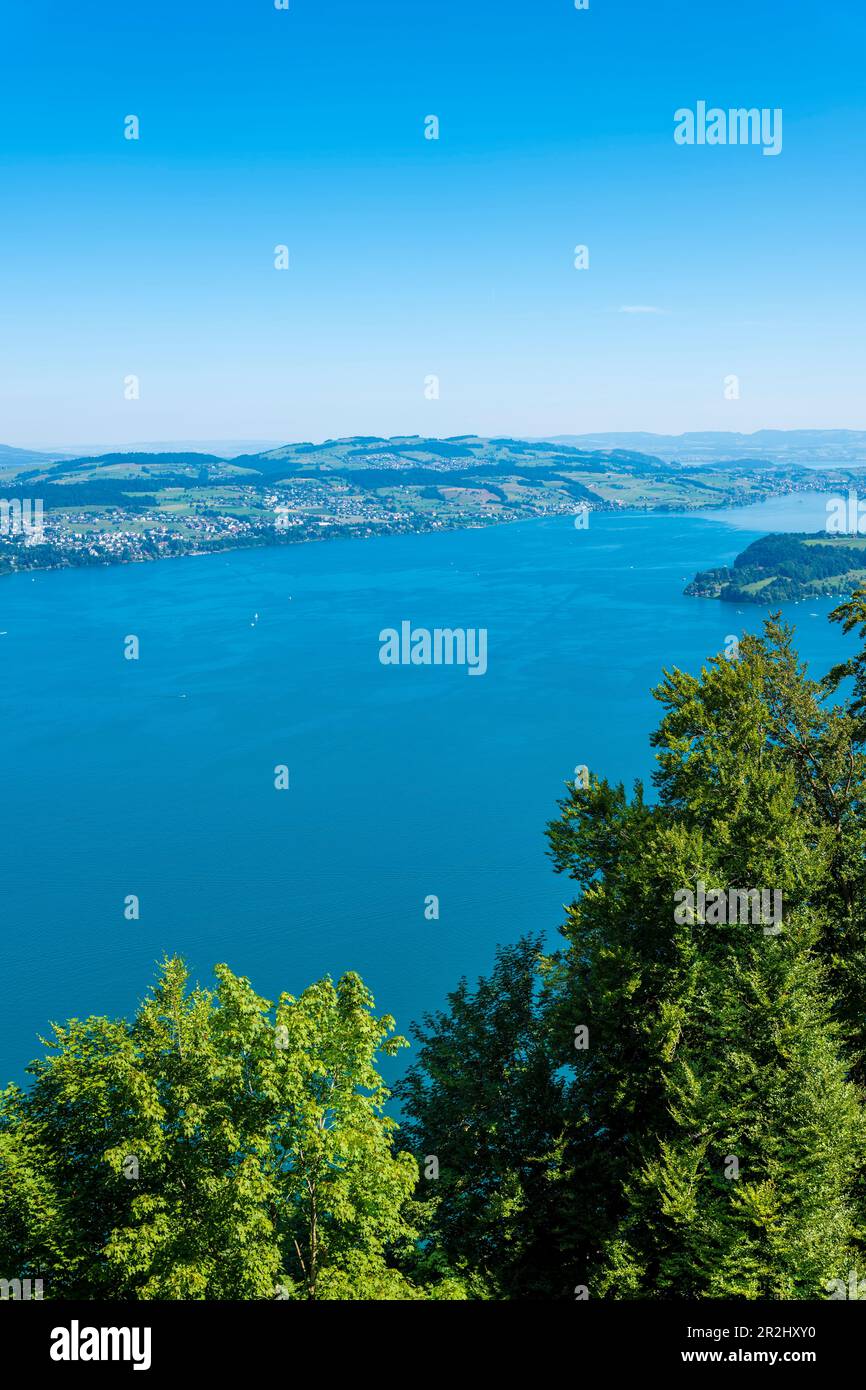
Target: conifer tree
x=716, y=1096
x=483, y=1115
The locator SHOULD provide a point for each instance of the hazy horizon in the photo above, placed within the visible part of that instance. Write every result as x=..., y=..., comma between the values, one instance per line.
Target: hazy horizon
x=247, y=445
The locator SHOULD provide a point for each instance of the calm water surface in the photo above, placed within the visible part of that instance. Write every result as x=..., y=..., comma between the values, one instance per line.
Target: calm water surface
x=156, y=777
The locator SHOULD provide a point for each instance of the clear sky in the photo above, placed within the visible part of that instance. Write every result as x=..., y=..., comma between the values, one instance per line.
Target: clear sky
x=412, y=257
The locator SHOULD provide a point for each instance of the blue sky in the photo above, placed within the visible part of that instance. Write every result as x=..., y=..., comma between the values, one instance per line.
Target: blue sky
x=410, y=257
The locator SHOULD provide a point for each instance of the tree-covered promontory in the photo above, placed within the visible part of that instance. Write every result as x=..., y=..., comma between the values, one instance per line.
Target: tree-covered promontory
x=786, y=567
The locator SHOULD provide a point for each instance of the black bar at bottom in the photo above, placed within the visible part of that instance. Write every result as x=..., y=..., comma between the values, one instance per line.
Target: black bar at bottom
x=157, y=1338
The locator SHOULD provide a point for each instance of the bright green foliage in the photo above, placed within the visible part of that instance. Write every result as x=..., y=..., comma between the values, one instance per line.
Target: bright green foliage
x=214, y=1148
x=345, y=1193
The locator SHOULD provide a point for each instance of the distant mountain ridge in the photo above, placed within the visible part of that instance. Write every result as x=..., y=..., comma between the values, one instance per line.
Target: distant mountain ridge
x=456, y=452
x=719, y=446
x=11, y=457
x=354, y=452
x=800, y=447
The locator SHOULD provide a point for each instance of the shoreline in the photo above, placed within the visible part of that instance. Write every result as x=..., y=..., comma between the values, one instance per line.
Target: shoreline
x=344, y=533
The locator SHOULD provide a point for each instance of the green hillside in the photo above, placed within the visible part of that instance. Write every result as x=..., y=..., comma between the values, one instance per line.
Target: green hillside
x=786, y=568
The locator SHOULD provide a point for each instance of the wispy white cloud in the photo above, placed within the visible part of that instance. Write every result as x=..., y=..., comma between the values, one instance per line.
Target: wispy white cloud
x=639, y=309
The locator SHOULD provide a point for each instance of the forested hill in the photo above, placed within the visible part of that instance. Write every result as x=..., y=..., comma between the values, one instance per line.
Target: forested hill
x=782, y=568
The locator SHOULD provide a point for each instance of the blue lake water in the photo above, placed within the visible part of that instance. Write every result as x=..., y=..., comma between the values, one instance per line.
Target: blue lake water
x=156, y=777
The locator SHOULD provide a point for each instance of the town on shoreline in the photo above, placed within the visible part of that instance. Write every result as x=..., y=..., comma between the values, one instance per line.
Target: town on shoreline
x=123, y=508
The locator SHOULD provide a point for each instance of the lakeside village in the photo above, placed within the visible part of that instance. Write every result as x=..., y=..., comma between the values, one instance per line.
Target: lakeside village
x=177, y=520
x=34, y=535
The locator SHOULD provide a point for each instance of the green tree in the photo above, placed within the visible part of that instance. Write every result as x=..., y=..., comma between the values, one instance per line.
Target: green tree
x=715, y=1041
x=213, y=1148
x=345, y=1194
x=484, y=1117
